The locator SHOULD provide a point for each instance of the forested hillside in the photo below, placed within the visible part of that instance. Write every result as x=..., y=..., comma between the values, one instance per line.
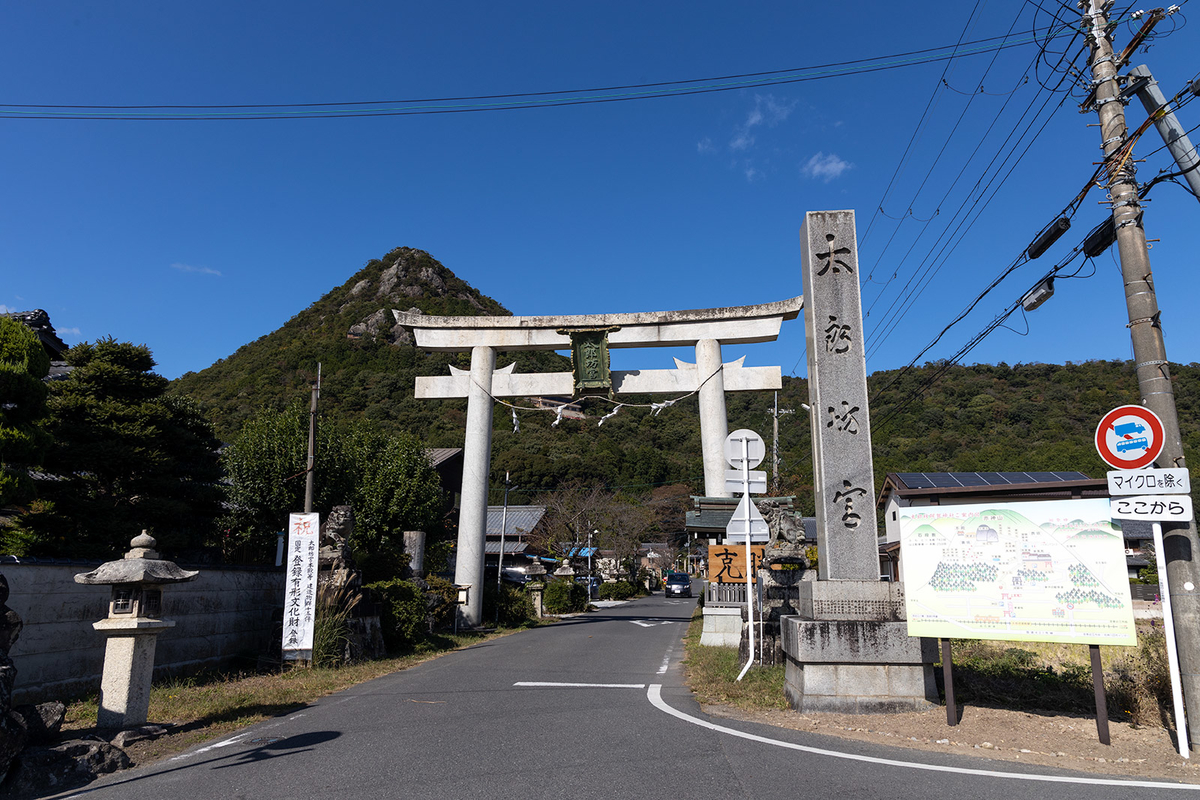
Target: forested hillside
x=981, y=417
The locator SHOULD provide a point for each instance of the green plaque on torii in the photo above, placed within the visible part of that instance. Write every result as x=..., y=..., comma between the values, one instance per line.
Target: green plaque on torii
x=589, y=360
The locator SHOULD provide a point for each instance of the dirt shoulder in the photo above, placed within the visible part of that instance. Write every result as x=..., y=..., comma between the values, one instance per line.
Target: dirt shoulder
x=1057, y=740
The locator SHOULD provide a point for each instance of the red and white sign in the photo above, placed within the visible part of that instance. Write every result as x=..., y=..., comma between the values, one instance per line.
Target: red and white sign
x=1129, y=437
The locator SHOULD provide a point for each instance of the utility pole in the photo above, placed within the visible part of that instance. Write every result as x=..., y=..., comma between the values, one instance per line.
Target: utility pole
x=1173, y=134
x=776, y=413
x=312, y=443
x=1150, y=356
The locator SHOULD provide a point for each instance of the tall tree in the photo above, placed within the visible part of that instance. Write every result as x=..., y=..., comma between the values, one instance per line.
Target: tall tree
x=386, y=478
x=23, y=443
x=124, y=458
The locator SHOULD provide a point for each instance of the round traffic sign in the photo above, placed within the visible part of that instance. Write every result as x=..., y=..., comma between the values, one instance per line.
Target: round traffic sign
x=754, y=448
x=1129, y=437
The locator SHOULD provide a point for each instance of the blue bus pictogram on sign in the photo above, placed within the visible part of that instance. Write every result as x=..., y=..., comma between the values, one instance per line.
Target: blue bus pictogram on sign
x=1125, y=445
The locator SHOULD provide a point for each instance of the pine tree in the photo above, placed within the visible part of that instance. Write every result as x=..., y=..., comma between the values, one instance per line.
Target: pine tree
x=23, y=365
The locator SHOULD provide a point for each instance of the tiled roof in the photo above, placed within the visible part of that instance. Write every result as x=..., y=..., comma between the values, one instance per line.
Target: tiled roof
x=521, y=519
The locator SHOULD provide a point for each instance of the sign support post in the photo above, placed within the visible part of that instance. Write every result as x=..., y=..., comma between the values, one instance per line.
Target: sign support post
x=1160, y=560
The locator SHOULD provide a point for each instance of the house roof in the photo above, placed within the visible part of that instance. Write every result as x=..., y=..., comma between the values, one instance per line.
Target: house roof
x=438, y=455
x=511, y=548
x=521, y=520
x=959, y=486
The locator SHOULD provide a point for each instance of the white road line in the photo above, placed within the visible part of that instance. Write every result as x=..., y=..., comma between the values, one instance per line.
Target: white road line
x=666, y=662
x=234, y=739
x=551, y=685
x=654, y=695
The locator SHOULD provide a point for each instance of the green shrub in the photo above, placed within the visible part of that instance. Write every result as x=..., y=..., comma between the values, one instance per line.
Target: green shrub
x=565, y=597
x=515, y=607
x=404, y=613
x=621, y=590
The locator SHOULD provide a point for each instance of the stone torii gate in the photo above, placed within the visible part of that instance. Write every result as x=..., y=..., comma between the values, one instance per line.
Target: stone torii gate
x=589, y=338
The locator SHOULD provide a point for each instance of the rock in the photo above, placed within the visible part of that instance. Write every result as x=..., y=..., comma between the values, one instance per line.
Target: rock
x=139, y=734
x=13, y=738
x=44, y=770
x=43, y=721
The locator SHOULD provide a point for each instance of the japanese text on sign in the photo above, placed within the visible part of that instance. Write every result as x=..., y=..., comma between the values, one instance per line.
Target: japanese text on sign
x=727, y=562
x=300, y=588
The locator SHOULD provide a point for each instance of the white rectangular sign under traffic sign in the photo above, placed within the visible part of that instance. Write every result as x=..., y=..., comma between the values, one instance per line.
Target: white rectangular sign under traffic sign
x=735, y=531
x=1173, y=480
x=758, y=481
x=1153, y=507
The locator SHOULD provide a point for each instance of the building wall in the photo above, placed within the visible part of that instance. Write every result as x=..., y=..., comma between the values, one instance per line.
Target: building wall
x=223, y=619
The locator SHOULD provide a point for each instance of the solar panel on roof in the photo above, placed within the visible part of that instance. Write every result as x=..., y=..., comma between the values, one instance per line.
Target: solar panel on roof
x=1043, y=477
x=942, y=480
x=1015, y=477
x=970, y=479
x=915, y=480
x=991, y=478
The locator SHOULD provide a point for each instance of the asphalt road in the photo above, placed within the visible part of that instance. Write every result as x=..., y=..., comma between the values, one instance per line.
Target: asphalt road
x=592, y=707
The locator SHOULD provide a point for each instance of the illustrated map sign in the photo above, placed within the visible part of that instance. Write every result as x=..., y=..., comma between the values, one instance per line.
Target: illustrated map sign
x=1171, y=480
x=300, y=587
x=1153, y=508
x=727, y=562
x=1049, y=571
x=1129, y=437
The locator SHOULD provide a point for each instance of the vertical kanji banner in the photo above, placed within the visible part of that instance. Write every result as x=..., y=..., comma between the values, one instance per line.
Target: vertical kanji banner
x=300, y=590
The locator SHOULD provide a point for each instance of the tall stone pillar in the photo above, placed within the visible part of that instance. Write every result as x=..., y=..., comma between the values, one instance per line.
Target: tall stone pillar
x=843, y=479
x=847, y=649
x=477, y=457
x=714, y=425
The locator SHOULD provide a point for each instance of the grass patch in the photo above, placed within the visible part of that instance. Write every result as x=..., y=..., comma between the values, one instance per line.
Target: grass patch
x=1050, y=676
x=212, y=705
x=712, y=672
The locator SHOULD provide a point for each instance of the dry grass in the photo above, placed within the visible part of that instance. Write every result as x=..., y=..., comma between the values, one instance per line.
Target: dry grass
x=712, y=675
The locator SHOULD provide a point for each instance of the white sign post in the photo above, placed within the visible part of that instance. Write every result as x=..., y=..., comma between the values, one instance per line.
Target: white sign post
x=300, y=588
x=1131, y=438
x=745, y=449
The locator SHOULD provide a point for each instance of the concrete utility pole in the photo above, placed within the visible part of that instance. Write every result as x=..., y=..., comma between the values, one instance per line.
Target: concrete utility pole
x=1150, y=357
x=312, y=444
x=1173, y=134
x=776, y=413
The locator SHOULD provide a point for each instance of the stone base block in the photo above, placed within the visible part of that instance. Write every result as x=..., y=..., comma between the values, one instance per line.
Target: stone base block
x=866, y=600
x=859, y=688
x=722, y=627
x=856, y=666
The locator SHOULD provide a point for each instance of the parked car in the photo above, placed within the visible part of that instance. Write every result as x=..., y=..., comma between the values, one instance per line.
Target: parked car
x=678, y=584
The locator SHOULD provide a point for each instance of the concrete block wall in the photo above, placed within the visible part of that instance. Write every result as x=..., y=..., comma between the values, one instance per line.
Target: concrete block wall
x=222, y=615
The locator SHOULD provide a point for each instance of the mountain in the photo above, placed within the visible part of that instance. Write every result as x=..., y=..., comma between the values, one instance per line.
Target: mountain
x=935, y=418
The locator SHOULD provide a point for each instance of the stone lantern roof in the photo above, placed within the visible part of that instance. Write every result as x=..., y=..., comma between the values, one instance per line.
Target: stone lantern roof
x=140, y=565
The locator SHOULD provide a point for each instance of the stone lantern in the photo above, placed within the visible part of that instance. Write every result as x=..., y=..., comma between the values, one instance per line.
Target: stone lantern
x=131, y=628
x=536, y=586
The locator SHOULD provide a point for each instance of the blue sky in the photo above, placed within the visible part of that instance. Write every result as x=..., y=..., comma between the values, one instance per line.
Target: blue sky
x=195, y=237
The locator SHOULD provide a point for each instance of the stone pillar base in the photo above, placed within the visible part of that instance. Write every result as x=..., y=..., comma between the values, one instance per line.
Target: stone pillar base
x=128, y=669
x=722, y=626
x=849, y=651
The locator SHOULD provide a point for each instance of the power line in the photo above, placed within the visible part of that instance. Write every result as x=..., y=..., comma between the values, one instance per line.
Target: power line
x=515, y=100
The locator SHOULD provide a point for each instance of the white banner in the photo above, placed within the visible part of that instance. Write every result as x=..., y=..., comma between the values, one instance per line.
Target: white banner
x=300, y=592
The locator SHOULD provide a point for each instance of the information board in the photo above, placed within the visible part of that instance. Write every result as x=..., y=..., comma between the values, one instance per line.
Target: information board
x=1050, y=571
